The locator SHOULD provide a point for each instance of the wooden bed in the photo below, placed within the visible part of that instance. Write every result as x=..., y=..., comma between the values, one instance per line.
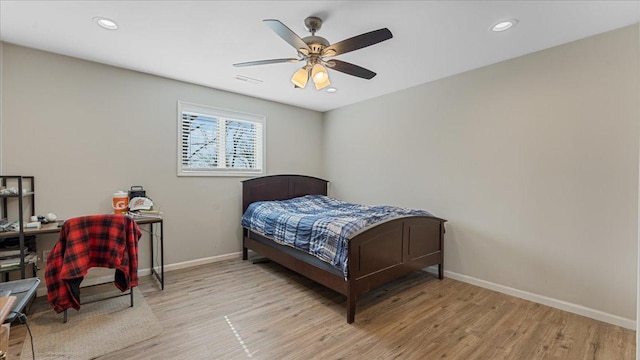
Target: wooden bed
x=376, y=256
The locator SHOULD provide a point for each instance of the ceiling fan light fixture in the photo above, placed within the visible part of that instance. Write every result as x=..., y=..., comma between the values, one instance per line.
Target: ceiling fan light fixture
x=300, y=77
x=322, y=85
x=319, y=74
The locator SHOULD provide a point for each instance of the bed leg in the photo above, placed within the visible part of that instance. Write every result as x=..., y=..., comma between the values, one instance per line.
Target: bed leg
x=351, y=300
x=440, y=272
x=351, y=309
x=245, y=253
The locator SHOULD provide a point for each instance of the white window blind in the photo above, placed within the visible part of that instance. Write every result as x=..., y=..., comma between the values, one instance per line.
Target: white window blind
x=215, y=142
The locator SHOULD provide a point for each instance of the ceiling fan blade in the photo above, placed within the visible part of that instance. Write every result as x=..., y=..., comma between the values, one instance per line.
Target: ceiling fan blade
x=350, y=69
x=360, y=41
x=265, y=62
x=286, y=34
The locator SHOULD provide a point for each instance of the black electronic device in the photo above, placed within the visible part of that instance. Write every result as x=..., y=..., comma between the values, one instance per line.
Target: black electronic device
x=137, y=191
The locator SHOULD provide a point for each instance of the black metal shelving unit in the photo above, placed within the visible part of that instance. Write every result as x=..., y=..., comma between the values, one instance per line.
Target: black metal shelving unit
x=9, y=200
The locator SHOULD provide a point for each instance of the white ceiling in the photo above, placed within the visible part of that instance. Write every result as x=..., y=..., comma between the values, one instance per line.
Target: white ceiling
x=198, y=41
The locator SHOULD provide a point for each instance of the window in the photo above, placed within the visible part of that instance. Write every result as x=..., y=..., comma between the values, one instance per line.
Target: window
x=219, y=142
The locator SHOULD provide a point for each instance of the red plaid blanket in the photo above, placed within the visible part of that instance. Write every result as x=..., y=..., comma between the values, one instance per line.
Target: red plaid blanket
x=109, y=241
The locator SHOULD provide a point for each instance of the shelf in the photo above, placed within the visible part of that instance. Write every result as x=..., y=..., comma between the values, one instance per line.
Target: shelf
x=25, y=191
x=28, y=193
x=11, y=264
x=49, y=228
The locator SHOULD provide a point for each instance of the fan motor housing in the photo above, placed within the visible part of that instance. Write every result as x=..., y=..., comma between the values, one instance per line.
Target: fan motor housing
x=316, y=43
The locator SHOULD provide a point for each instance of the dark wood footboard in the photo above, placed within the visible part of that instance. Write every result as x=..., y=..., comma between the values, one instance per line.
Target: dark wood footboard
x=376, y=256
x=391, y=250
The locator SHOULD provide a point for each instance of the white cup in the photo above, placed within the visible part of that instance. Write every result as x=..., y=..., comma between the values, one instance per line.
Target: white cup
x=34, y=218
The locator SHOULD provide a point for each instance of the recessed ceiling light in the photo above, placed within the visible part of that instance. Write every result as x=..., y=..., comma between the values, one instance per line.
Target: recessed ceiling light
x=105, y=23
x=504, y=25
x=331, y=90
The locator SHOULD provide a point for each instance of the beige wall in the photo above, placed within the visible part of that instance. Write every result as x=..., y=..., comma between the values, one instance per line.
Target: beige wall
x=85, y=130
x=534, y=162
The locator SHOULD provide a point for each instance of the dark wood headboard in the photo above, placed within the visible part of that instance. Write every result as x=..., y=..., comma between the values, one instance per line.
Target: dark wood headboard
x=280, y=187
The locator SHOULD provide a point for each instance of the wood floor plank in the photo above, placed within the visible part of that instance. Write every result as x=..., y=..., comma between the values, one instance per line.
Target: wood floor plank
x=238, y=310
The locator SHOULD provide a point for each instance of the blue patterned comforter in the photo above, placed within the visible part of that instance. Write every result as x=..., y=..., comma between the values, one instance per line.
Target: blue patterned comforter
x=318, y=224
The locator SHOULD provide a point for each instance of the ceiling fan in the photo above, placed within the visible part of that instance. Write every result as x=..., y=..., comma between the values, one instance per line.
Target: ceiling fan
x=314, y=49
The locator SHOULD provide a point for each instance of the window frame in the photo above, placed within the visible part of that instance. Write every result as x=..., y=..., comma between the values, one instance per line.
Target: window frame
x=221, y=114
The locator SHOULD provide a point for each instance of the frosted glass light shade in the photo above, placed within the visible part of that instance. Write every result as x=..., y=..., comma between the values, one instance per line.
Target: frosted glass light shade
x=319, y=74
x=322, y=85
x=300, y=78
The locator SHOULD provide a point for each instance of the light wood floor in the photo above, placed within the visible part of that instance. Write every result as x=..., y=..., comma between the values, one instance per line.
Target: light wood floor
x=239, y=310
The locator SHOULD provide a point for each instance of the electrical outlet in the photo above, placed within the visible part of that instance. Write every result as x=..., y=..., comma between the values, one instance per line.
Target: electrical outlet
x=45, y=253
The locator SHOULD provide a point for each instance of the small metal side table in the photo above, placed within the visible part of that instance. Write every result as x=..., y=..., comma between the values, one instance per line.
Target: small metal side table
x=142, y=220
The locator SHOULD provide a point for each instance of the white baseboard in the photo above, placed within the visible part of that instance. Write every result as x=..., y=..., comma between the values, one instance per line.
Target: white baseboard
x=203, y=261
x=544, y=300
